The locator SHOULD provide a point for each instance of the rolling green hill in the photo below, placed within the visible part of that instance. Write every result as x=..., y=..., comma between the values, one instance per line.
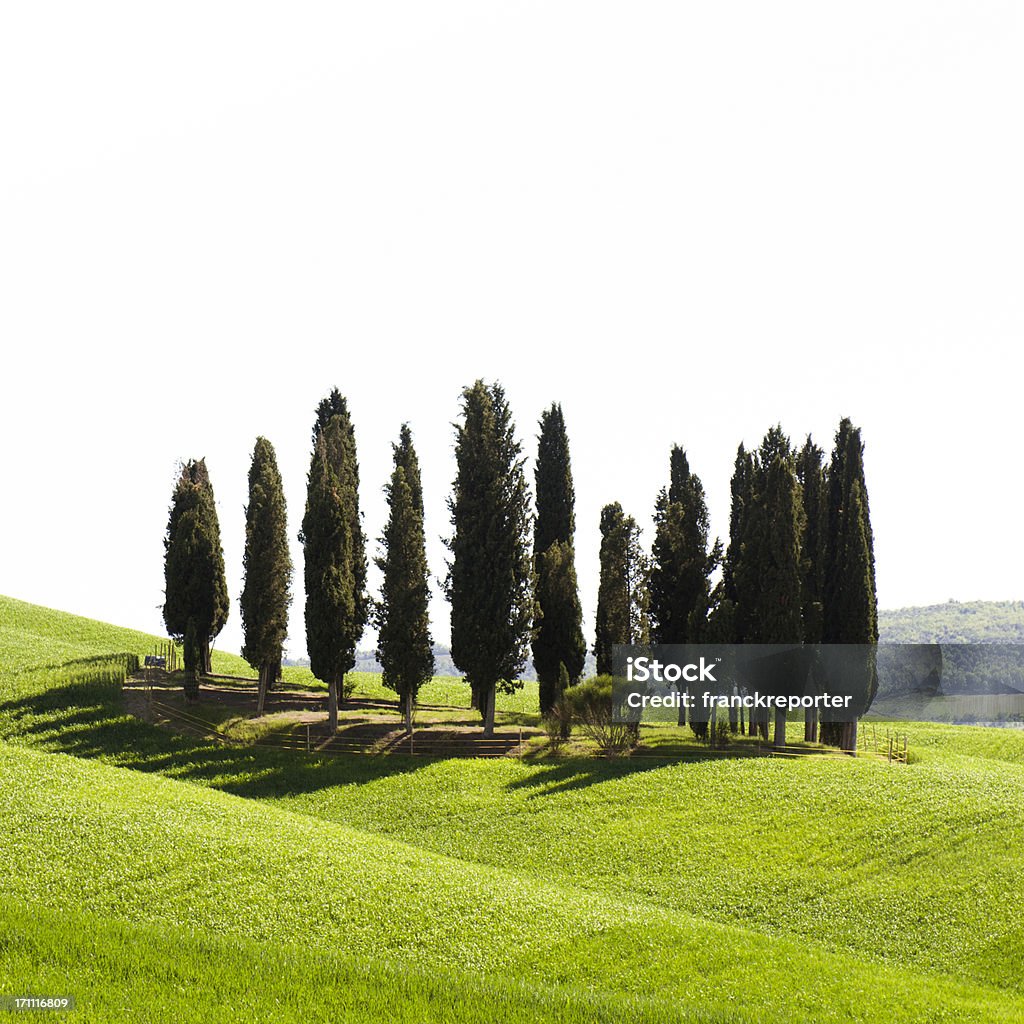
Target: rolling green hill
x=154, y=876
x=34, y=636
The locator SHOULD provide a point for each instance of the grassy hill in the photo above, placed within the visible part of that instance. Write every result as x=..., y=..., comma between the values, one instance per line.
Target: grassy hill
x=34, y=636
x=956, y=622
x=154, y=876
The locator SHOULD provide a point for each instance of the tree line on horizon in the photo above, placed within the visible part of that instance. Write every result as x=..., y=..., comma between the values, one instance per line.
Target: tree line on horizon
x=798, y=566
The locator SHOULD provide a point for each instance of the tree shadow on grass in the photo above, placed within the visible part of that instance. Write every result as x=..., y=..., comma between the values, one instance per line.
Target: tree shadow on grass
x=85, y=717
x=573, y=773
x=563, y=775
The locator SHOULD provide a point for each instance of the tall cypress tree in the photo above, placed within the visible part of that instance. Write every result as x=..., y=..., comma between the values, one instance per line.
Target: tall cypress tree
x=334, y=550
x=681, y=562
x=811, y=473
x=196, y=590
x=489, y=581
x=404, y=646
x=558, y=632
x=741, y=500
x=405, y=456
x=768, y=573
x=682, y=559
x=266, y=593
x=850, y=602
x=622, y=595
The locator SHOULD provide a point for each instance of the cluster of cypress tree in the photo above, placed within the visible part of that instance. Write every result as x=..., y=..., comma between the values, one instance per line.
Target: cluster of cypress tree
x=799, y=566
x=337, y=603
x=800, y=563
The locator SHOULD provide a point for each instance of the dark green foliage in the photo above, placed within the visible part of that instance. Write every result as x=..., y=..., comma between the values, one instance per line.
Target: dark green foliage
x=333, y=405
x=740, y=489
x=558, y=634
x=768, y=570
x=489, y=582
x=850, y=603
x=556, y=497
x=266, y=593
x=682, y=561
x=811, y=474
x=558, y=644
x=195, y=584
x=622, y=596
x=405, y=456
x=404, y=646
x=851, y=614
x=335, y=552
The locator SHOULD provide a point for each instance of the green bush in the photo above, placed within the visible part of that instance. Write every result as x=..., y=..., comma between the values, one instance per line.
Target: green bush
x=589, y=706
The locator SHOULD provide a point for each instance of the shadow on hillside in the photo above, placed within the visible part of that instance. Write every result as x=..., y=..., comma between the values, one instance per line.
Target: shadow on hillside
x=549, y=777
x=86, y=718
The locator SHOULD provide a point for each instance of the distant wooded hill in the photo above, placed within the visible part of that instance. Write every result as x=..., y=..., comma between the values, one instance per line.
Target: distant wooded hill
x=955, y=622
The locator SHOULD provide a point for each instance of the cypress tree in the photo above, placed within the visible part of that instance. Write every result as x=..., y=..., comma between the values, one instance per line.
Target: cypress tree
x=850, y=602
x=811, y=473
x=769, y=573
x=558, y=632
x=195, y=584
x=404, y=646
x=556, y=496
x=334, y=551
x=489, y=582
x=681, y=562
x=558, y=644
x=622, y=596
x=266, y=593
x=405, y=456
x=741, y=500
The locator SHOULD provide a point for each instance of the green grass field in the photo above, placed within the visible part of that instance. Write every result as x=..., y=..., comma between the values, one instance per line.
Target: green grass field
x=158, y=877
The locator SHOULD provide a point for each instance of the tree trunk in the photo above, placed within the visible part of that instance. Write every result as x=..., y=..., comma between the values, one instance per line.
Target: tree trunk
x=734, y=715
x=743, y=721
x=487, y=699
x=811, y=726
x=207, y=658
x=849, y=743
x=681, y=719
x=333, y=687
x=407, y=702
x=780, y=727
x=266, y=670
x=474, y=697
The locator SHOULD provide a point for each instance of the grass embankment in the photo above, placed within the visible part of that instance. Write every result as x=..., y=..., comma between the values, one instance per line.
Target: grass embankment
x=744, y=890
x=141, y=849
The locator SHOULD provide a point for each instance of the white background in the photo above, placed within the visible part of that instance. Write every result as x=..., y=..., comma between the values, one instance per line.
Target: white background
x=685, y=221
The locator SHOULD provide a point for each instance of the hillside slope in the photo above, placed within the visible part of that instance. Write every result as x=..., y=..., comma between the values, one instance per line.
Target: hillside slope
x=141, y=849
x=34, y=636
x=577, y=890
x=956, y=622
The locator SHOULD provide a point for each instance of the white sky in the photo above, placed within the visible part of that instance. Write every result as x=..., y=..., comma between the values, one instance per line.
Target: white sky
x=685, y=221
